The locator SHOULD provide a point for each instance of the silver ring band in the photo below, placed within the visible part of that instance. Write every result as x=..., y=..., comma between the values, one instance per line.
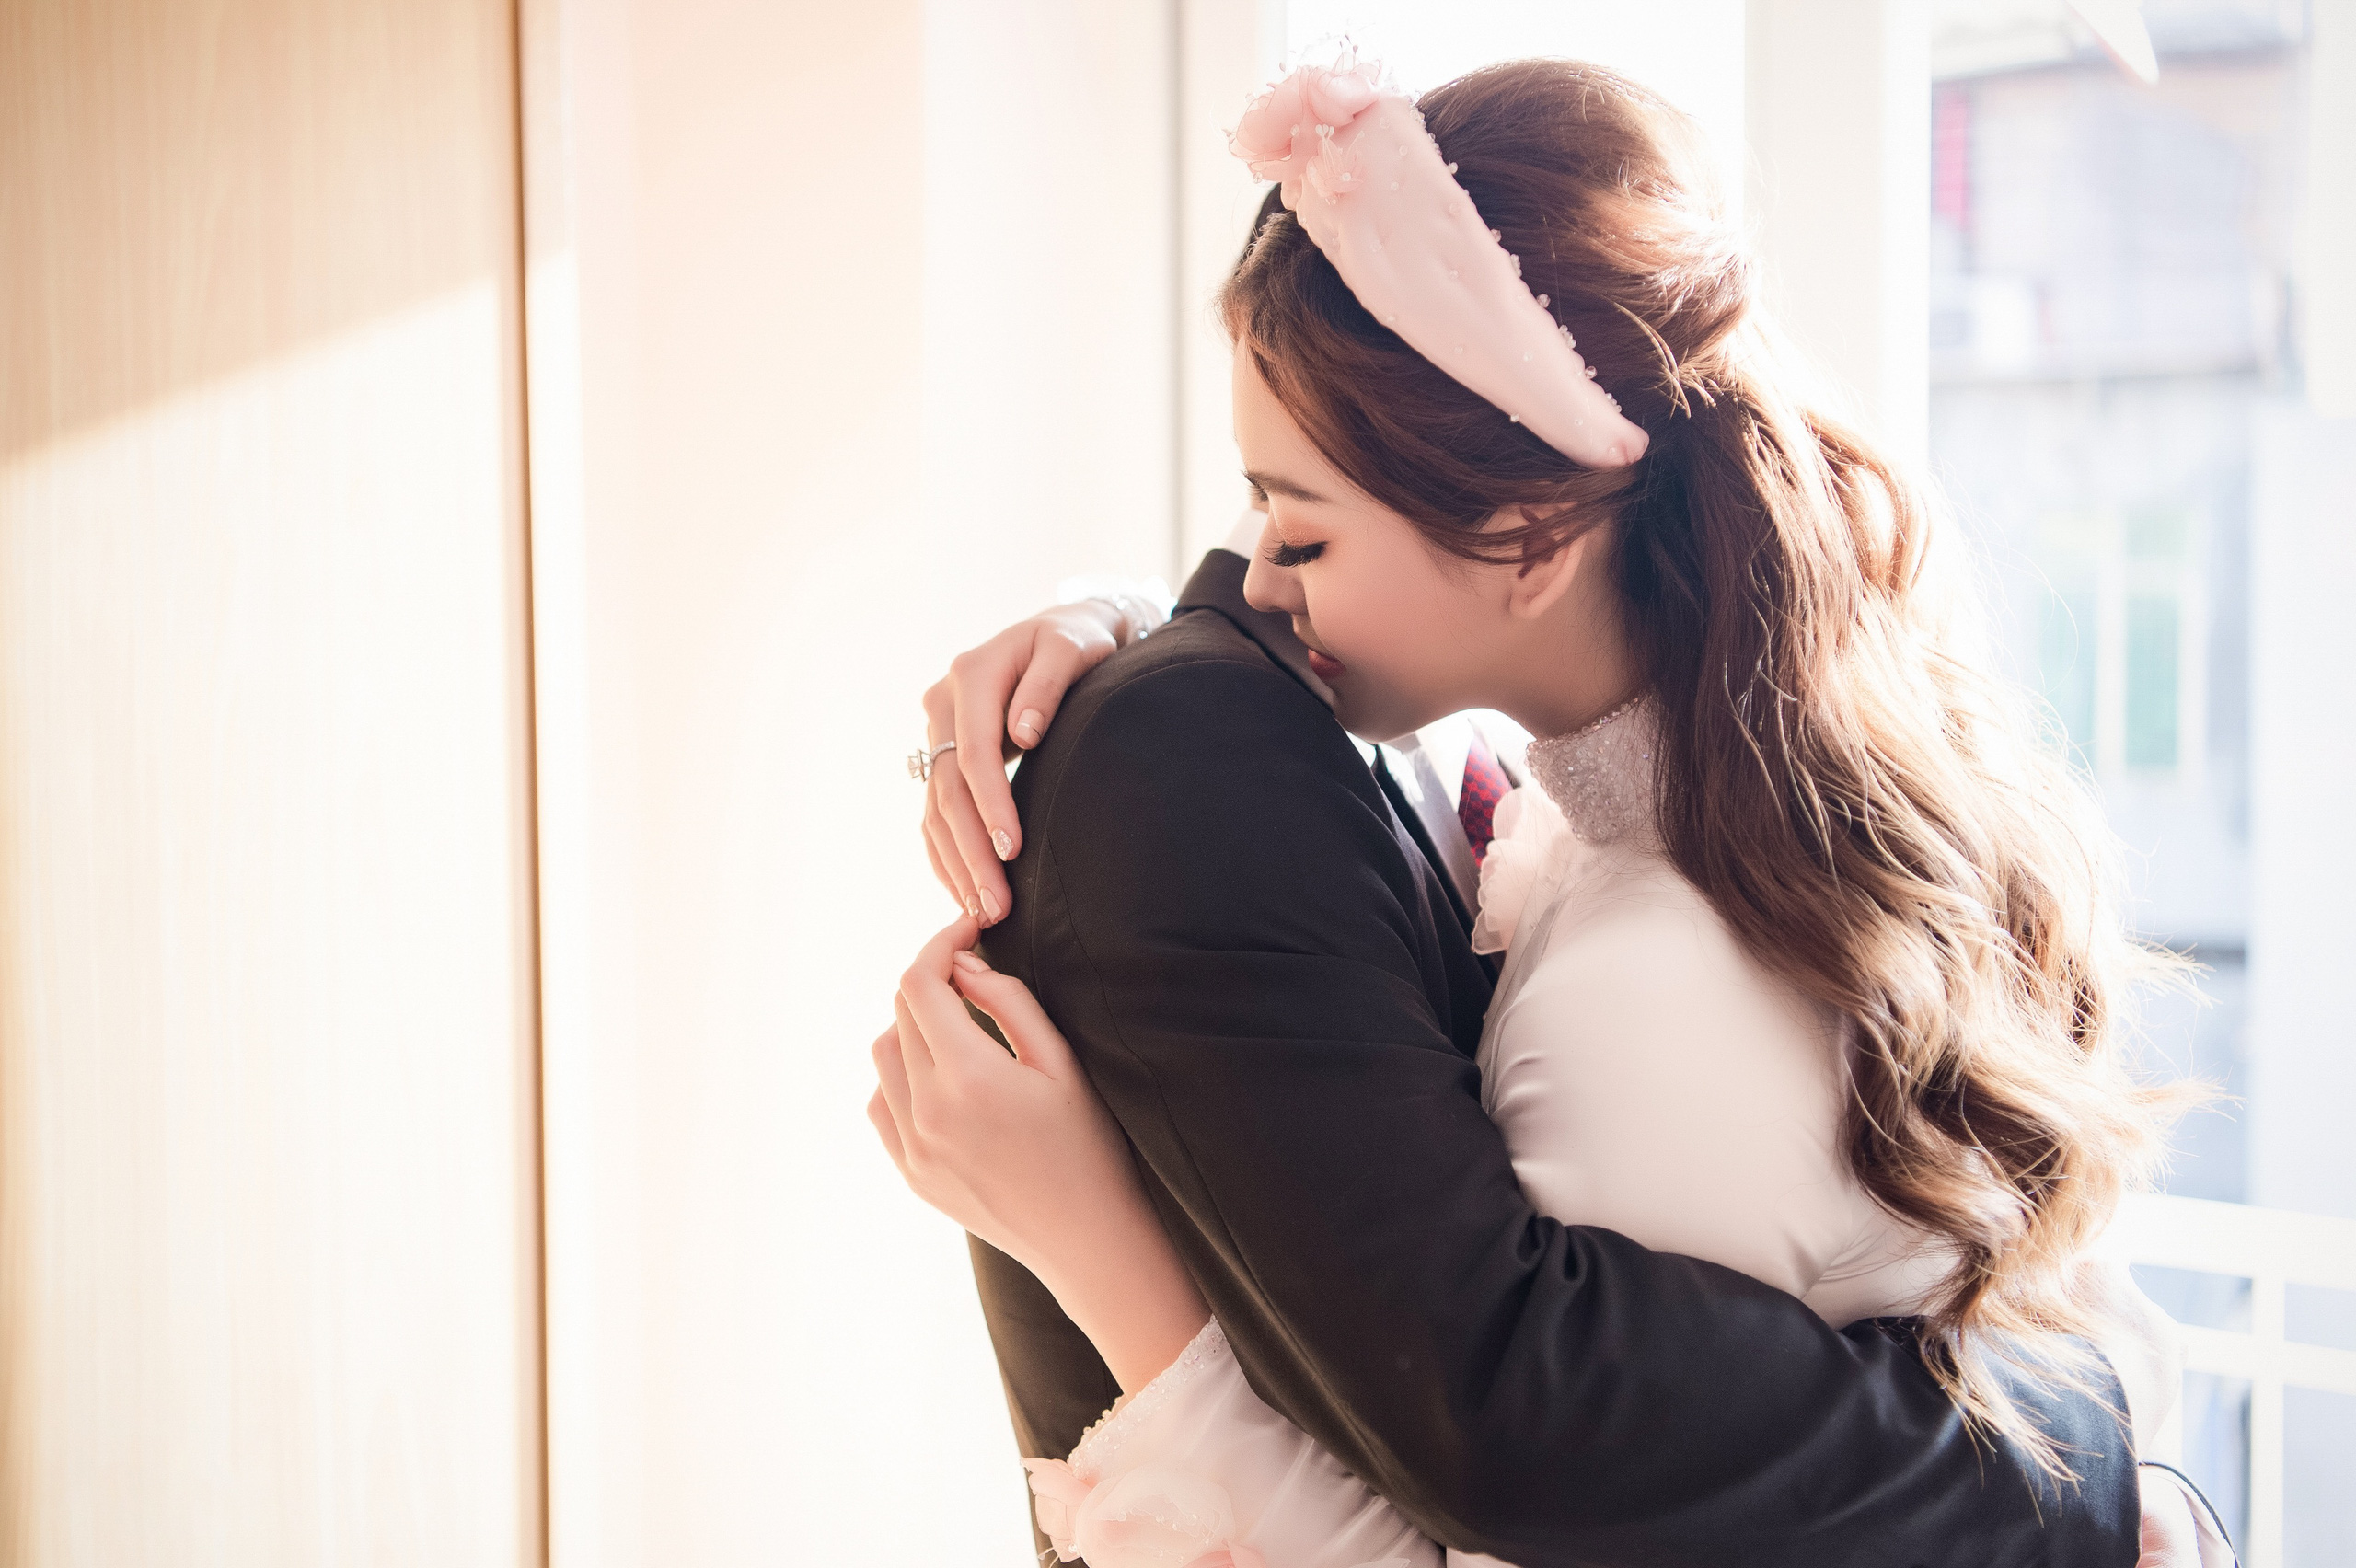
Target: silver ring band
x=920, y=761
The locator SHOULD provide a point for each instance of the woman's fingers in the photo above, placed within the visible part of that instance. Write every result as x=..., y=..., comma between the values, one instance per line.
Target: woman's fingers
x=879, y=1115
x=1037, y=1042
x=955, y=937
x=1006, y=689
x=892, y=1084
x=915, y=1053
x=945, y=975
x=1055, y=661
x=947, y=863
x=928, y=973
x=956, y=829
x=1056, y=666
x=2170, y=1536
x=978, y=863
x=956, y=1040
x=951, y=863
x=940, y=871
x=980, y=681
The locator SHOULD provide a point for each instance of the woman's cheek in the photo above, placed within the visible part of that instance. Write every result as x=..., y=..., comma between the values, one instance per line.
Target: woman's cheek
x=1393, y=624
x=1354, y=622
x=1381, y=643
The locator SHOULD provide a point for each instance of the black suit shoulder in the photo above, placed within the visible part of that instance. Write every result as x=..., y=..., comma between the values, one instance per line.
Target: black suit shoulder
x=1193, y=795
x=1198, y=683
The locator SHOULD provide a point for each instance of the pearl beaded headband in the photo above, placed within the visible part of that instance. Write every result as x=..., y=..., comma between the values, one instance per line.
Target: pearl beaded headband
x=1366, y=180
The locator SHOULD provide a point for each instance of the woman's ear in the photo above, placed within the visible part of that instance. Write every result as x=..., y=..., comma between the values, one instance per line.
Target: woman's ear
x=1539, y=582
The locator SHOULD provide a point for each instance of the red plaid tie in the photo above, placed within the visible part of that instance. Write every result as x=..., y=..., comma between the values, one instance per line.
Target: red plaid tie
x=1476, y=804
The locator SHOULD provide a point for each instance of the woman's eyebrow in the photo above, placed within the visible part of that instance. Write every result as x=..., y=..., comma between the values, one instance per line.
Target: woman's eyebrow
x=1276, y=484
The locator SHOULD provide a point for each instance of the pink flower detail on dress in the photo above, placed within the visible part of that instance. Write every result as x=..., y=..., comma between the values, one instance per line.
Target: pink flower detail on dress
x=1057, y=1492
x=1230, y=1557
x=1529, y=826
x=1154, y=1516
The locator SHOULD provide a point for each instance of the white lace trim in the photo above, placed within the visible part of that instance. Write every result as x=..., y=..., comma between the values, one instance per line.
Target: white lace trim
x=1092, y=1456
x=1602, y=775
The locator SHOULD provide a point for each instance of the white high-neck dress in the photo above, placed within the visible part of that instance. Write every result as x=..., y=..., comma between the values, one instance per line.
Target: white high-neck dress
x=1649, y=1077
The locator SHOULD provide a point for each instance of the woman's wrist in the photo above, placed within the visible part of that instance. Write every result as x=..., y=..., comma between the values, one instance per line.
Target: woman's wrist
x=1102, y=614
x=1131, y=1294
x=1136, y=606
x=1137, y=615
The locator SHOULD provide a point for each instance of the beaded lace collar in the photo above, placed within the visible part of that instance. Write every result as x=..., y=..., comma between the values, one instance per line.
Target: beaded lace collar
x=1601, y=775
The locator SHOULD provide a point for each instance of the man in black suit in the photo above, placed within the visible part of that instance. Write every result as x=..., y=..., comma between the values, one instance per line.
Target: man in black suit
x=1252, y=954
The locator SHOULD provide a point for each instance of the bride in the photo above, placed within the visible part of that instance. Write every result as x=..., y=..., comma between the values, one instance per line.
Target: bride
x=1807, y=966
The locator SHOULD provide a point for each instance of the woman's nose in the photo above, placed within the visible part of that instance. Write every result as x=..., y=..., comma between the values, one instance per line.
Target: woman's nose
x=1269, y=587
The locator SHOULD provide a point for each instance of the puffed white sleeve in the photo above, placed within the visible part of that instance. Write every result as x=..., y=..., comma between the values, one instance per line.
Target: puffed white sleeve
x=1195, y=1469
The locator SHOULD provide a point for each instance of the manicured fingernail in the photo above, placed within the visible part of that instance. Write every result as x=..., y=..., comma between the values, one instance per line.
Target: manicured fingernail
x=971, y=962
x=989, y=909
x=1026, y=726
x=972, y=910
x=1003, y=842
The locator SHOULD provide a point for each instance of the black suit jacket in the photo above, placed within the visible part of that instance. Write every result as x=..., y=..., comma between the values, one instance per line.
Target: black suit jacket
x=1266, y=980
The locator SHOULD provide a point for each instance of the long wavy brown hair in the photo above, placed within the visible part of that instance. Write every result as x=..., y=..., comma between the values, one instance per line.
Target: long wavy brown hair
x=1877, y=821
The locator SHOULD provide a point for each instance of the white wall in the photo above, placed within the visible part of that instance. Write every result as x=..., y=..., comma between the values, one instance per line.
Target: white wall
x=1226, y=50
x=1049, y=265
x=865, y=315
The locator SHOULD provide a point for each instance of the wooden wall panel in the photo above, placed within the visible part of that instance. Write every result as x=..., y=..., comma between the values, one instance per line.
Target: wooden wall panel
x=268, y=1244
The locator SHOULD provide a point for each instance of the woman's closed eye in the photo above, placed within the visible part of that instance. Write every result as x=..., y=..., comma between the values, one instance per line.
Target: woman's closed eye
x=1284, y=555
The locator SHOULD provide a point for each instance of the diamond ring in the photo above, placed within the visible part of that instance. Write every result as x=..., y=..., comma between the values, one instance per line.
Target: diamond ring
x=920, y=761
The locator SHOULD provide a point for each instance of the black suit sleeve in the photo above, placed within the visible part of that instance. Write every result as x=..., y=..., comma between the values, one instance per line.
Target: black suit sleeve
x=1226, y=921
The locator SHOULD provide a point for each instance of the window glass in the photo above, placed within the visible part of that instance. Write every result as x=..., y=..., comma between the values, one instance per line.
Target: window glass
x=2113, y=335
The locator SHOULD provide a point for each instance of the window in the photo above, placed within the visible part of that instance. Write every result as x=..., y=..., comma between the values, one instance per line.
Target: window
x=2120, y=637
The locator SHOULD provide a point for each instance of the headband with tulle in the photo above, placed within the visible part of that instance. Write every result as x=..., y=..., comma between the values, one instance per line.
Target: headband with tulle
x=1366, y=180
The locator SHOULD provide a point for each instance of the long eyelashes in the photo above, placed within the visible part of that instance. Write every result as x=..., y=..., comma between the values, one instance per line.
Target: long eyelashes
x=1295, y=555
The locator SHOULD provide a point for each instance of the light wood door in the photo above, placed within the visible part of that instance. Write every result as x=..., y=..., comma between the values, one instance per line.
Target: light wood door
x=267, y=1205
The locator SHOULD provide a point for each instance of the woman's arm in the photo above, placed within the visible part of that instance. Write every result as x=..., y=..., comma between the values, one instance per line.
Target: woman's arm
x=1022, y=1153
x=1018, y=1149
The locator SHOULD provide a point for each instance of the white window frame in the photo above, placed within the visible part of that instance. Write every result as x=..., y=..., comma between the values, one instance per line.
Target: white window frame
x=2273, y=1248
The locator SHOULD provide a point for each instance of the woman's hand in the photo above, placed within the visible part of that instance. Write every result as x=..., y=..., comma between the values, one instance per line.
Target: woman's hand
x=1020, y=1152
x=2170, y=1538
x=996, y=699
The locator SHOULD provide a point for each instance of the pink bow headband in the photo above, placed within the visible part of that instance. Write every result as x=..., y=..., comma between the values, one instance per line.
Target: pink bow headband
x=1366, y=180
